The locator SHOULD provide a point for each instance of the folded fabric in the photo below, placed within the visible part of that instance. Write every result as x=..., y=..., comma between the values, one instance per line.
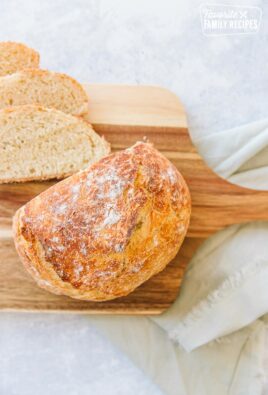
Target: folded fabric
x=233, y=365
x=242, y=155
x=219, y=295
x=224, y=292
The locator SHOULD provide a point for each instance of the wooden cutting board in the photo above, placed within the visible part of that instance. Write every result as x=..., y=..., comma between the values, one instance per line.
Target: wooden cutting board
x=125, y=114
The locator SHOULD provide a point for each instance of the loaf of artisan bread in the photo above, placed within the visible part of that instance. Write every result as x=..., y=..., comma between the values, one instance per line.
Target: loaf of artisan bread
x=38, y=144
x=104, y=231
x=45, y=88
x=15, y=57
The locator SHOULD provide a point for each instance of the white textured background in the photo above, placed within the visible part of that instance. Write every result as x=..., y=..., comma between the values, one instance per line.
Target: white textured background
x=222, y=81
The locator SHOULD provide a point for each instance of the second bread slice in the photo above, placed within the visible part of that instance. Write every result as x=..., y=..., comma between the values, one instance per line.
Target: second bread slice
x=45, y=88
x=38, y=144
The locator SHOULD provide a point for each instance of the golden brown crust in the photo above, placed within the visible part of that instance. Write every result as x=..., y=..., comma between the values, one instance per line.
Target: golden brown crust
x=104, y=231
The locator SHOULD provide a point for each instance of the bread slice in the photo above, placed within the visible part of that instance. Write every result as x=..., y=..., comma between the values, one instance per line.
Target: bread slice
x=15, y=57
x=38, y=144
x=45, y=88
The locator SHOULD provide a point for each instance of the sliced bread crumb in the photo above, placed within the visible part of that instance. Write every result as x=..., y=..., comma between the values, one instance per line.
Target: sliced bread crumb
x=38, y=144
x=45, y=88
x=16, y=56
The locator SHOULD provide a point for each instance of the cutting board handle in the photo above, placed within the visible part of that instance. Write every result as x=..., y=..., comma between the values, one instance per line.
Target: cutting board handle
x=216, y=203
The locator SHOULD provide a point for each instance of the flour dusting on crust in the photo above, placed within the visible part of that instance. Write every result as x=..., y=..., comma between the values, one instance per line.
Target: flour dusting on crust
x=103, y=228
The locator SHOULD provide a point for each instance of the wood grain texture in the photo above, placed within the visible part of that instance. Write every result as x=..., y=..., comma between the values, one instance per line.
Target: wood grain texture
x=125, y=114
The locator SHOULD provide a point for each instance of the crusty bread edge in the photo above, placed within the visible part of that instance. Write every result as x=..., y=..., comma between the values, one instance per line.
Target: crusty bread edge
x=47, y=278
x=19, y=245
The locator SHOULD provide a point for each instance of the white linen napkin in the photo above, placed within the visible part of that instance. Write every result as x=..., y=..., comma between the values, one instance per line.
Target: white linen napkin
x=212, y=341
